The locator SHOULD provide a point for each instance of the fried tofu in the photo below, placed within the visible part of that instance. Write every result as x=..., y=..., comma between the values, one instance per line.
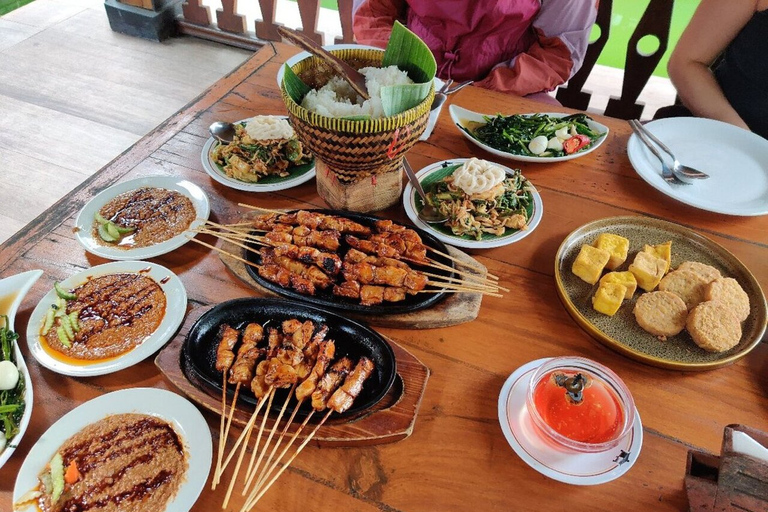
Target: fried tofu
x=626, y=278
x=616, y=245
x=608, y=298
x=663, y=251
x=590, y=262
x=648, y=270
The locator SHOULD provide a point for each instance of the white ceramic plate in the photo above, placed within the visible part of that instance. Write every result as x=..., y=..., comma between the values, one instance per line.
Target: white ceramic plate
x=303, y=55
x=85, y=219
x=735, y=159
x=300, y=174
x=412, y=203
x=181, y=414
x=175, y=309
x=14, y=289
x=461, y=115
x=557, y=463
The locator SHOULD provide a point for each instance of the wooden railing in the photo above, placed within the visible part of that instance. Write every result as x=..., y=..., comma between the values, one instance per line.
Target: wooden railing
x=232, y=28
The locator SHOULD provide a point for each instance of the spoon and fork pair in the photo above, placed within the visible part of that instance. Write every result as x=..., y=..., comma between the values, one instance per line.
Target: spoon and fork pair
x=677, y=174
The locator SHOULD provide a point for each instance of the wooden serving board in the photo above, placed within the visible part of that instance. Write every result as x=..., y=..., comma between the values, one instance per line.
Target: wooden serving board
x=456, y=308
x=388, y=421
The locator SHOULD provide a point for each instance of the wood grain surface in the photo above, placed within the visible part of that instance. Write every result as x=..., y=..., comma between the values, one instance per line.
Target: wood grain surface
x=456, y=457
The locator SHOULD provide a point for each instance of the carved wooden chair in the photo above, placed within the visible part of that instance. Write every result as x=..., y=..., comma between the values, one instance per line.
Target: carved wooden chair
x=655, y=22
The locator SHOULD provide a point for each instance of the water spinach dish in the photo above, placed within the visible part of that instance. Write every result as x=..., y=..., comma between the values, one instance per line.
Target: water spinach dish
x=537, y=135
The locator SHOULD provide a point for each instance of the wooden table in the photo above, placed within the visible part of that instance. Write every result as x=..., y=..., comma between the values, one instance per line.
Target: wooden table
x=457, y=457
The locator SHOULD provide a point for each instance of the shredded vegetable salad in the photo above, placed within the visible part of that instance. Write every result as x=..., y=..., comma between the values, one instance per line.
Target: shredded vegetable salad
x=538, y=135
x=506, y=206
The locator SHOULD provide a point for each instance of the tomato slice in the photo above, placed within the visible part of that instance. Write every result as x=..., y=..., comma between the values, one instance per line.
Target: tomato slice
x=575, y=143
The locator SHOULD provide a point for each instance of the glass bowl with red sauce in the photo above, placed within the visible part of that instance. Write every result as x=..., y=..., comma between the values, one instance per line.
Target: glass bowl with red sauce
x=580, y=404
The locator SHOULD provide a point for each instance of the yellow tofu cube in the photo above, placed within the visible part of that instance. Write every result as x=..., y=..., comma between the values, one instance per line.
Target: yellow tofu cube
x=626, y=278
x=648, y=270
x=616, y=245
x=663, y=251
x=608, y=298
x=590, y=262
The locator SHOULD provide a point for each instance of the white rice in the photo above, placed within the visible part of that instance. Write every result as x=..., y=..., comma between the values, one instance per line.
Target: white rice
x=338, y=99
x=268, y=128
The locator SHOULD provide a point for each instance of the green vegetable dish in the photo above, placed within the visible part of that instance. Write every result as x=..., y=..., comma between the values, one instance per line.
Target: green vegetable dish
x=12, y=386
x=499, y=212
x=537, y=135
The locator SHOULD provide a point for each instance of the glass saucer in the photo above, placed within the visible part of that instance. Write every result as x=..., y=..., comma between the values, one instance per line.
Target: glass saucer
x=556, y=462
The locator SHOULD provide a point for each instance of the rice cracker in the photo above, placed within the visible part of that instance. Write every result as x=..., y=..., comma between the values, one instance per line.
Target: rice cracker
x=661, y=313
x=713, y=327
x=728, y=291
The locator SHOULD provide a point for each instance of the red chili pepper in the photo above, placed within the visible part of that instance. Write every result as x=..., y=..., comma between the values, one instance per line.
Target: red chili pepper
x=575, y=143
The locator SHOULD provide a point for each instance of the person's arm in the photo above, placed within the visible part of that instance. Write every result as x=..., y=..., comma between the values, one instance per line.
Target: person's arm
x=372, y=20
x=713, y=26
x=562, y=29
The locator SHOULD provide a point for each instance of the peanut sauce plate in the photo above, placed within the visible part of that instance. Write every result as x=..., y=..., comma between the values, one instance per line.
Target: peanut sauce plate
x=353, y=340
x=58, y=361
x=298, y=173
x=556, y=462
x=185, y=419
x=86, y=224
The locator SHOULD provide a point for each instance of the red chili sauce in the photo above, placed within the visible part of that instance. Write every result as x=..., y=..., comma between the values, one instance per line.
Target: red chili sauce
x=597, y=418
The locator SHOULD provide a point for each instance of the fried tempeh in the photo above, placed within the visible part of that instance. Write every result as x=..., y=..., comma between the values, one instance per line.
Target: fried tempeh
x=342, y=398
x=329, y=382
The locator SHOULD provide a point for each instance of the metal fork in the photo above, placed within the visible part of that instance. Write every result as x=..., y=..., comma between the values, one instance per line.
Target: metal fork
x=680, y=170
x=666, y=172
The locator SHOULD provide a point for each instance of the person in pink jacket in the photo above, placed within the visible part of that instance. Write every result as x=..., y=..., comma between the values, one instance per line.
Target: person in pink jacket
x=522, y=47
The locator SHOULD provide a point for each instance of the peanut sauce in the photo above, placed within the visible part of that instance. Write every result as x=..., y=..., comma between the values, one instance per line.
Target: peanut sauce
x=156, y=214
x=116, y=313
x=125, y=462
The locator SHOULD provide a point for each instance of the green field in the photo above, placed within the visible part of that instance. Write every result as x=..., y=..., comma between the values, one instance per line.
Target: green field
x=626, y=15
x=7, y=6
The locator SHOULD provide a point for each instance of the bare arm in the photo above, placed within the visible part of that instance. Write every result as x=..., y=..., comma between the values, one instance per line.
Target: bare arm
x=713, y=26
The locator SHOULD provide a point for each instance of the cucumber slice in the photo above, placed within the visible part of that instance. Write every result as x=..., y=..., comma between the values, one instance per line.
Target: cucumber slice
x=62, y=335
x=99, y=218
x=74, y=320
x=112, y=230
x=61, y=292
x=49, y=316
x=57, y=477
x=104, y=234
x=124, y=230
x=67, y=325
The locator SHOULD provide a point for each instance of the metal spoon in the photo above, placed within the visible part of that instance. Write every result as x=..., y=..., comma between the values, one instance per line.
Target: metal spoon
x=222, y=132
x=428, y=213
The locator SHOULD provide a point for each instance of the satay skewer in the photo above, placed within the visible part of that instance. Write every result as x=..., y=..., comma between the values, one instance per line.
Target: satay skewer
x=224, y=358
x=254, y=207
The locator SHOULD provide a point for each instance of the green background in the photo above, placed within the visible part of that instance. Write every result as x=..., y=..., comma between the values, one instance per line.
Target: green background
x=7, y=6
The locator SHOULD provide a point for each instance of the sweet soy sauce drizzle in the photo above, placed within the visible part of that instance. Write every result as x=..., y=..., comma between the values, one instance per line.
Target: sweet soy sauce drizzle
x=590, y=414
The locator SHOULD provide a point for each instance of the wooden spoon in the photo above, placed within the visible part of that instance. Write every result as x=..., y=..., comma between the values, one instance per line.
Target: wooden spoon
x=344, y=70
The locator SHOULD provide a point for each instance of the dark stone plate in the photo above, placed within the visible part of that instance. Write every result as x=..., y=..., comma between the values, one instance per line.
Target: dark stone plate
x=355, y=340
x=326, y=299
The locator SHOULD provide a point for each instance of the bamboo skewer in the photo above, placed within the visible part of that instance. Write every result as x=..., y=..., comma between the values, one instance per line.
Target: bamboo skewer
x=245, y=434
x=268, y=468
x=253, y=207
x=244, y=448
x=222, y=438
x=463, y=263
x=252, y=502
x=249, y=474
x=229, y=419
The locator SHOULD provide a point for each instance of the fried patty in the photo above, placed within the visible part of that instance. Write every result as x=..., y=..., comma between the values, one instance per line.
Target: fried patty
x=713, y=326
x=661, y=313
x=728, y=291
x=686, y=284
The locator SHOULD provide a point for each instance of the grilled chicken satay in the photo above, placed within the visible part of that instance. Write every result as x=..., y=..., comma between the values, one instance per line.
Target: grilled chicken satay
x=297, y=268
x=319, y=221
x=365, y=273
x=329, y=382
x=247, y=355
x=342, y=398
x=327, y=240
x=258, y=383
x=272, y=271
x=224, y=353
x=327, y=262
x=325, y=353
x=265, y=222
x=370, y=295
x=369, y=247
x=310, y=352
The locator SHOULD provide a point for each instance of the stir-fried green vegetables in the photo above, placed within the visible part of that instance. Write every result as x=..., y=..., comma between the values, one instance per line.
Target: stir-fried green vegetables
x=514, y=134
x=12, y=400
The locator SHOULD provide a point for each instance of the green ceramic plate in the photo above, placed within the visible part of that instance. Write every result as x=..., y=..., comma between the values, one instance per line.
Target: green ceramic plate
x=621, y=331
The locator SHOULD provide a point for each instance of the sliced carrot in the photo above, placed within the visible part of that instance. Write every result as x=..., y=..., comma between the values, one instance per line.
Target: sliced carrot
x=72, y=474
